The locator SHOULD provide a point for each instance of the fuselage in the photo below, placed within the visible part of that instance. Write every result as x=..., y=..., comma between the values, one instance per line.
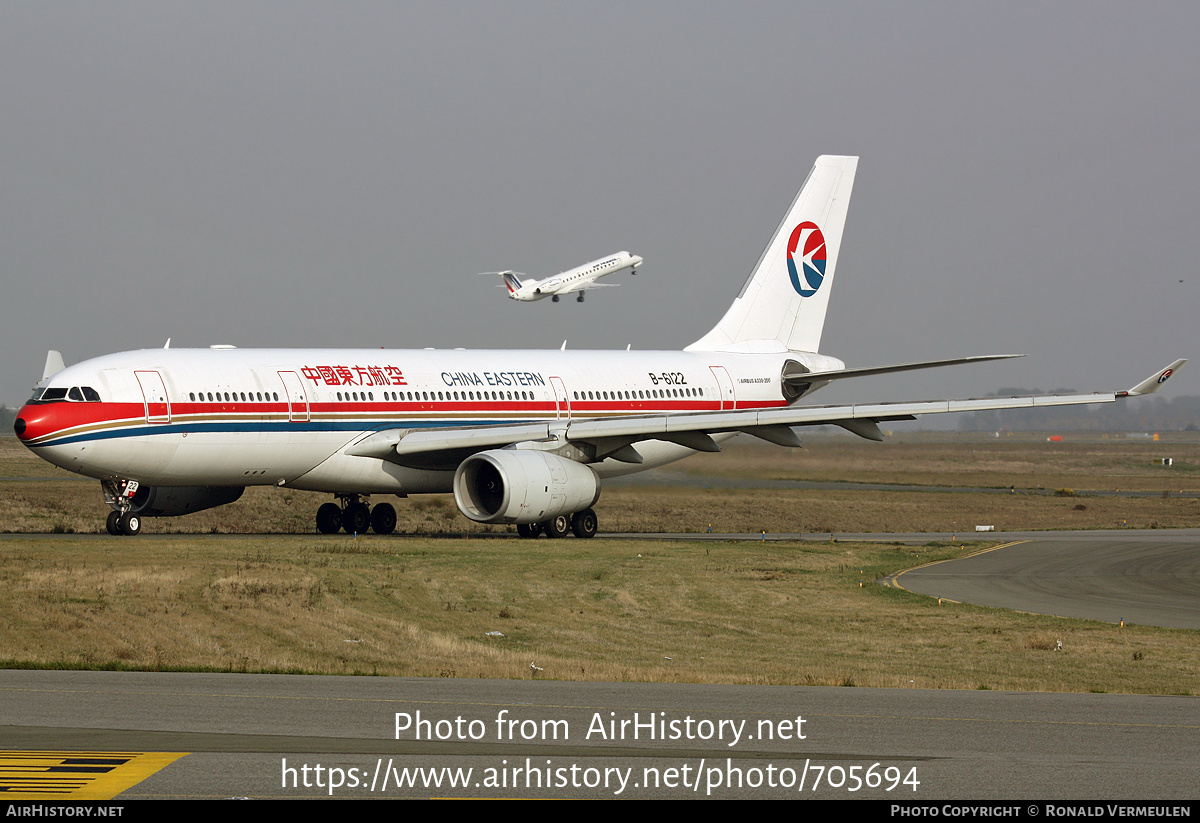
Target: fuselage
x=241, y=417
x=572, y=280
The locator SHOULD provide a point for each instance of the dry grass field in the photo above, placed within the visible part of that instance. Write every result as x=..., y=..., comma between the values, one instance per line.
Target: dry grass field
x=739, y=490
x=1026, y=460
x=267, y=595
x=765, y=613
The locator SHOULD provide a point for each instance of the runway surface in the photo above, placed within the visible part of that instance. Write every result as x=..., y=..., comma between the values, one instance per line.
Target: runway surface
x=243, y=733
x=1149, y=577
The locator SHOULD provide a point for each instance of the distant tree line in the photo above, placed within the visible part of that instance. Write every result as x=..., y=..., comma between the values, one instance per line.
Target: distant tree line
x=1148, y=414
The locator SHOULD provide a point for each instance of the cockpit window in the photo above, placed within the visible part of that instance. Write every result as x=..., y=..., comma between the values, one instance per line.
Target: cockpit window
x=78, y=394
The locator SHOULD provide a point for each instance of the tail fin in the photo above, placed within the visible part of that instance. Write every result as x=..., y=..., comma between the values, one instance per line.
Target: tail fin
x=511, y=280
x=782, y=305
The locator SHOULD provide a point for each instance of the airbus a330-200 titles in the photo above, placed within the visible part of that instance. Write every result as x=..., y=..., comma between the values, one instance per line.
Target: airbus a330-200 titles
x=519, y=437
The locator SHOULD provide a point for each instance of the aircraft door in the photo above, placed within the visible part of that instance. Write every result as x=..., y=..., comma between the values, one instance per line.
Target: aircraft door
x=562, y=403
x=293, y=389
x=154, y=394
x=724, y=387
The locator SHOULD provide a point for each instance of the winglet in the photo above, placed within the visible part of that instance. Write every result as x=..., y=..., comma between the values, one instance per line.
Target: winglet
x=1152, y=383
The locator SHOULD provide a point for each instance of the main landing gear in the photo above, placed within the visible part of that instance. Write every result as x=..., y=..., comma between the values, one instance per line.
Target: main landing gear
x=355, y=517
x=580, y=524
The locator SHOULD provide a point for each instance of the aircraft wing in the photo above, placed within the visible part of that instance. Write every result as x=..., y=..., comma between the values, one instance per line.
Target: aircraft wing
x=595, y=439
x=594, y=285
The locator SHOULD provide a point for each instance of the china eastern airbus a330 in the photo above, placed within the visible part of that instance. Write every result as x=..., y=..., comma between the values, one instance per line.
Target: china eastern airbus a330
x=522, y=437
x=579, y=279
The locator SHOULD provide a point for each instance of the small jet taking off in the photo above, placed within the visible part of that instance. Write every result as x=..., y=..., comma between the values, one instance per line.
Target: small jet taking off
x=579, y=279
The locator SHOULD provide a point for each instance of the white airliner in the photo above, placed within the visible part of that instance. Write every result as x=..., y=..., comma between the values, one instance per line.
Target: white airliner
x=522, y=437
x=579, y=279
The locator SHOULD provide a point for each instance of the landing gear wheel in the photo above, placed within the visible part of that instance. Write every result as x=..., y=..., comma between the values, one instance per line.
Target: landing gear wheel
x=579, y=299
x=383, y=518
x=554, y=298
x=329, y=518
x=356, y=519
x=130, y=523
x=113, y=527
x=583, y=524
x=528, y=530
x=557, y=526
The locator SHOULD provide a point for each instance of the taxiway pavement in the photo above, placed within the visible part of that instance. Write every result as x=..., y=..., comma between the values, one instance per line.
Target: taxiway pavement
x=244, y=733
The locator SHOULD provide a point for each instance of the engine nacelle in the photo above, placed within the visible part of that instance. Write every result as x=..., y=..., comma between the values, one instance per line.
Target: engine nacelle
x=172, y=501
x=522, y=486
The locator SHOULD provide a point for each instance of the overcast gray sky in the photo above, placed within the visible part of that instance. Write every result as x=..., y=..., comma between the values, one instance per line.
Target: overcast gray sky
x=334, y=174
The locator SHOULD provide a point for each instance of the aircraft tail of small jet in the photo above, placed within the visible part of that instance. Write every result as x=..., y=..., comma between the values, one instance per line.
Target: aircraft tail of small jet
x=511, y=281
x=782, y=304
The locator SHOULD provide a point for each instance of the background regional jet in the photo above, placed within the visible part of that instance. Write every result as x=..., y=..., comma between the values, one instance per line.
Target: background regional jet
x=579, y=279
x=522, y=437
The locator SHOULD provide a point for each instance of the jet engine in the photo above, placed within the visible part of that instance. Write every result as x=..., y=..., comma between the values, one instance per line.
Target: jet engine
x=522, y=486
x=172, y=501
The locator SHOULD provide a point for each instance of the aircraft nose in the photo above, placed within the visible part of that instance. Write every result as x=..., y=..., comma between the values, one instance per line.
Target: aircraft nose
x=33, y=422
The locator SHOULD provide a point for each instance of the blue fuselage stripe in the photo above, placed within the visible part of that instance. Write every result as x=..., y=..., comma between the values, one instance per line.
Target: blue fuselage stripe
x=262, y=426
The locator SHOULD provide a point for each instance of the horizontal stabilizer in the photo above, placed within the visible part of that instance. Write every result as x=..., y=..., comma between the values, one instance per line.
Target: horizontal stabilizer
x=802, y=378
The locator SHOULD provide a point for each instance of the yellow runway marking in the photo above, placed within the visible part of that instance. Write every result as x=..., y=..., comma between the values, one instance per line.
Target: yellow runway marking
x=894, y=580
x=76, y=775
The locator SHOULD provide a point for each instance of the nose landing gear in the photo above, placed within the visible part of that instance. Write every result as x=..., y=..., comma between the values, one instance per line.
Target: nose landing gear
x=119, y=495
